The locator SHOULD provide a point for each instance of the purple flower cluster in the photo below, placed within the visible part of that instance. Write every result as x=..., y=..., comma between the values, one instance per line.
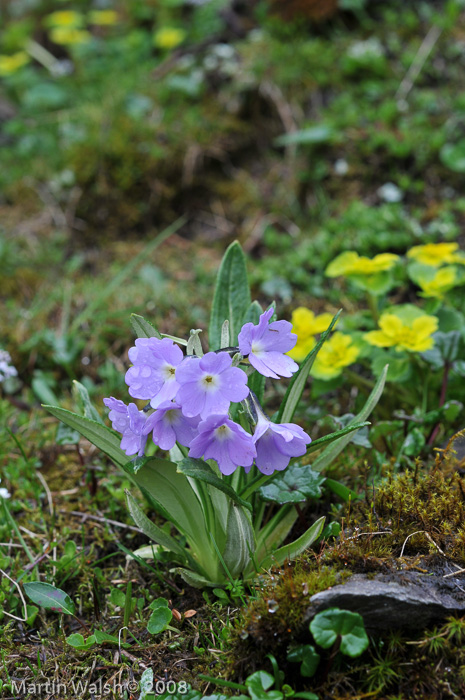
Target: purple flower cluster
x=192, y=396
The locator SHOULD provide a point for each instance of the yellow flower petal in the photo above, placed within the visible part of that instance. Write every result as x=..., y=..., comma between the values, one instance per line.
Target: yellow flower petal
x=169, y=38
x=350, y=263
x=103, y=17
x=434, y=254
x=300, y=351
x=338, y=352
x=68, y=36
x=11, y=64
x=65, y=18
x=414, y=336
x=305, y=323
x=425, y=326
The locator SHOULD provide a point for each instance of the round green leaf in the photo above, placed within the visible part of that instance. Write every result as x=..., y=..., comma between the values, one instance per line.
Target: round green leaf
x=294, y=485
x=308, y=657
x=159, y=620
x=453, y=156
x=330, y=624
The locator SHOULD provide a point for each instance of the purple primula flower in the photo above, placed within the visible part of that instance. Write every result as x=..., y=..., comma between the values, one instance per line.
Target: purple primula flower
x=265, y=345
x=277, y=443
x=170, y=425
x=221, y=439
x=209, y=384
x=153, y=374
x=129, y=421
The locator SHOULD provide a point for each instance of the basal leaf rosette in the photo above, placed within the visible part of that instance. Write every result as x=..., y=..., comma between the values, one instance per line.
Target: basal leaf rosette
x=404, y=328
x=306, y=325
x=374, y=275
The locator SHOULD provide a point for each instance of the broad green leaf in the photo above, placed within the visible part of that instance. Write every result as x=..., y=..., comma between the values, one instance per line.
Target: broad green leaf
x=274, y=533
x=143, y=328
x=99, y=435
x=196, y=580
x=66, y=436
x=153, y=531
x=159, y=620
x=77, y=641
x=240, y=541
x=258, y=685
x=83, y=397
x=316, y=444
x=175, y=499
x=49, y=597
x=292, y=550
x=295, y=484
x=198, y=469
x=330, y=624
x=159, y=603
x=232, y=296
x=298, y=381
x=253, y=313
x=308, y=658
x=333, y=450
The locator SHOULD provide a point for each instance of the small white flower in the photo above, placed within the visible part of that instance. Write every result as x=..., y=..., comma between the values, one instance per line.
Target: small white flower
x=6, y=369
x=4, y=493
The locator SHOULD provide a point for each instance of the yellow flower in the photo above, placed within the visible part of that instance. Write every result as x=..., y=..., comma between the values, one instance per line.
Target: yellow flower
x=435, y=254
x=103, y=17
x=64, y=18
x=10, y=64
x=168, y=38
x=413, y=335
x=69, y=35
x=444, y=280
x=338, y=352
x=351, y=263
x=305, y=324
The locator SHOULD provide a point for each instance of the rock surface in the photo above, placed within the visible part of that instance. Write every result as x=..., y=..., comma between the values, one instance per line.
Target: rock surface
x=407, y=600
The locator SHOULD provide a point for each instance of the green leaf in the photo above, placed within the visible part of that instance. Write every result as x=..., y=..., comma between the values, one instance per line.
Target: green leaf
x=143, y=328
x=198, y=469
x=308, y=657
x=316, y=444
x=240, y=541
x=295, y=484
x=258, y=683
x=159, y=620
x=49, y=597
x=66, y=436
x=99, y=435
x=232, y=296
x=274, y=532
x=330, y=624
x=292, y=550
x=310, y=136
x=196, y=580
x=332, y=451
x=452, y=156
x=151, y=530
x=253, y=313
x=341, y=490
x=83, y=397
x=159, y=603
x=298, y=381
x=175, y=499
x=78, y=642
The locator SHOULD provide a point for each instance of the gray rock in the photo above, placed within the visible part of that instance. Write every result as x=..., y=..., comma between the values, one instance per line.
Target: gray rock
x=407, y=600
